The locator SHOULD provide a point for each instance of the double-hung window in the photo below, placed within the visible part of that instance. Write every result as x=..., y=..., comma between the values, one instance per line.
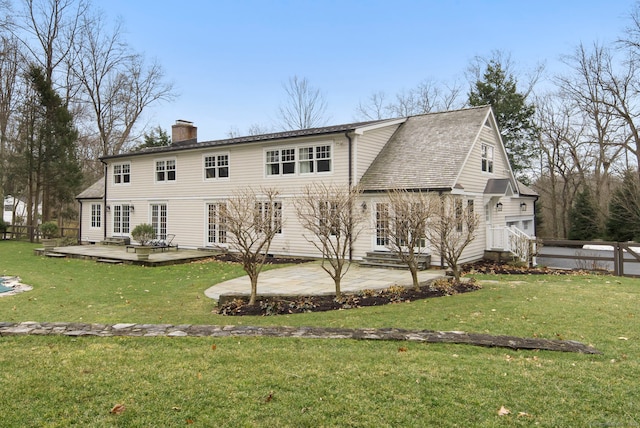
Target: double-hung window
x=121, y=173
x=298, y=160
x=315, y=159
x=281, y=161
x=166, y=170
x=216, y=166
x=487, y=158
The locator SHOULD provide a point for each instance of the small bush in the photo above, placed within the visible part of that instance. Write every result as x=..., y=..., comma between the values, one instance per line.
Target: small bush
x=49, y=230
x=3, y=225
x=144, y=233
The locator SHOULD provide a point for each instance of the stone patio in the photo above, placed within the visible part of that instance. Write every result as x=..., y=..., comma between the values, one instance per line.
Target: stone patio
x=119, y=254
x=310, y=279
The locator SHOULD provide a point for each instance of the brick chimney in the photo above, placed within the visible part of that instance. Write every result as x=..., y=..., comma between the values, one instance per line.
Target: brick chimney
x=183, y=130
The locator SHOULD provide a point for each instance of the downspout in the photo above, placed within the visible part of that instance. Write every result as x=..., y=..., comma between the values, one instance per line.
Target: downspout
x=104, y=204
x=80, y=224
x=350, y=155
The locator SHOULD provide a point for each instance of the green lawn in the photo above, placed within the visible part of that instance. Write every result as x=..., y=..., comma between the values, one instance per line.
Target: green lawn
x=60, y=381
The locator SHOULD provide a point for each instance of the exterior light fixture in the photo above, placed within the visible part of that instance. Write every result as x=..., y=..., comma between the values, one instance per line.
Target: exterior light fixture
x=499, y=206
x=523, y=206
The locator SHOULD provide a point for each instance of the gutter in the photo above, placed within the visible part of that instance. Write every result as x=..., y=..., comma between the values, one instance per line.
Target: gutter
x=350, y=182
x=104, y=204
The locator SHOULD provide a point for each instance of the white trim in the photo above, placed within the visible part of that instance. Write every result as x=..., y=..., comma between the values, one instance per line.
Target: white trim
x=113, y=173
x=166, y=179
x=363, y=129
x=216, y=167
x=296, y=152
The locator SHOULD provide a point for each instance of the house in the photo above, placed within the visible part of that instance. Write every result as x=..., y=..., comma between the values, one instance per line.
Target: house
x=14, y=210
x=179, y=188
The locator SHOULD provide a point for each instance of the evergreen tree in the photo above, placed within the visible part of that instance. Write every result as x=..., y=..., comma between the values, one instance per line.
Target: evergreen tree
x=56, y=135
x=157, y=137
x=583, y=218
x=623, y=223
x=513, y=114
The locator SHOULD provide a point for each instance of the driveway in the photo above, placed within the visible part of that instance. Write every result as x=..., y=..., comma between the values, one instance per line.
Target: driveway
x=310, y=279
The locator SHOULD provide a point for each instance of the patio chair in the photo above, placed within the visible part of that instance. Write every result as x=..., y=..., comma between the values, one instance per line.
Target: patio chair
x=166, y=243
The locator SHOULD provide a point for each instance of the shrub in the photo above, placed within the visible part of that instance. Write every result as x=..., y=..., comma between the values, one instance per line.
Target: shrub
x=49, y=230
x=3, y=226
x=144, y=233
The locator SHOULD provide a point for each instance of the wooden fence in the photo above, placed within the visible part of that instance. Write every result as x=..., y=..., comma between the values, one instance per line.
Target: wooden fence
x=28, y=232
x=614, y=255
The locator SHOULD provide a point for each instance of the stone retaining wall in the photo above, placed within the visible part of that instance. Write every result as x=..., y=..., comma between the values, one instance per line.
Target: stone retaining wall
x=170, y=330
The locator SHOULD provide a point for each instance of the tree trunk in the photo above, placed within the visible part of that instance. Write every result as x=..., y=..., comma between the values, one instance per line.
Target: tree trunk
x=414, y=276
x=254, y=289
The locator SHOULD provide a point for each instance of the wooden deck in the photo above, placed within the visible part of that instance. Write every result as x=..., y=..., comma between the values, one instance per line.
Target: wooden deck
x=119, y=254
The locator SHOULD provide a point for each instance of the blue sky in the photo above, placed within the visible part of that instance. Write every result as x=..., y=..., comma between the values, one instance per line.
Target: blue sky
x=229, y=59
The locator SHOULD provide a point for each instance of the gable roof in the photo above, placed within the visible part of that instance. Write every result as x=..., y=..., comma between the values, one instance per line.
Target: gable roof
x=427, y=151
x=193, y=144
x=498, y=187
x=95, y=191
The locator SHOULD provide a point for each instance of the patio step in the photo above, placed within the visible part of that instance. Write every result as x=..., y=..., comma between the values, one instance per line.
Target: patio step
x=388, y=260
x=55, y=255
x=110, y=261
x=116, y=240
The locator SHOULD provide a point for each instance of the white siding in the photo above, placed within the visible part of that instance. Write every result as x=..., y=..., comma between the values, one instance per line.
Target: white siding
x=186, y=198
x=91, y=234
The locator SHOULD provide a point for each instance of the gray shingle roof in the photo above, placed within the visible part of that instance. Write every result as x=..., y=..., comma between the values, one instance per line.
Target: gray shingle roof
x=193, y=144
x=427, y=151
x=95, y=191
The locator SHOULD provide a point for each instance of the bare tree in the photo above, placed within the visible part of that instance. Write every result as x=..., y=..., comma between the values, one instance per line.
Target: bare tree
x=428, y=96
x=453, y=228
x=9, y=67
x=48, y=30
x=116, y=82
x=409, y=214
x=330, y=214
x=305, y=106
x=253, y=129
x=375, y=108
x=252, y=219
x=526, y=79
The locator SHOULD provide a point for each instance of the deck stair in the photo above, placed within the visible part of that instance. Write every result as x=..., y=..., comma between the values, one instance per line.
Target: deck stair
x=116, y=240
x=389, y=260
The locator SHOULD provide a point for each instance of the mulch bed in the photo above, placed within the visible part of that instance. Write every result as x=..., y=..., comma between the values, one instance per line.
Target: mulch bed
x=495, y=268
x=301, y=304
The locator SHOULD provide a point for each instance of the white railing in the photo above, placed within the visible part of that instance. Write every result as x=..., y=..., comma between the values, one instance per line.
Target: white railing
x=512, y=239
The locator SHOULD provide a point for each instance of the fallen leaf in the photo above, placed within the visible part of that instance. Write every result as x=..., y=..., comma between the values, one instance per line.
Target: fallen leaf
x=523, y=415
x=503, y=411
x=176, y=408
x=213, y=347
x=623, y=338
x=189, y=421
x=118, y=409
x=402, y=349
x=269, y=397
